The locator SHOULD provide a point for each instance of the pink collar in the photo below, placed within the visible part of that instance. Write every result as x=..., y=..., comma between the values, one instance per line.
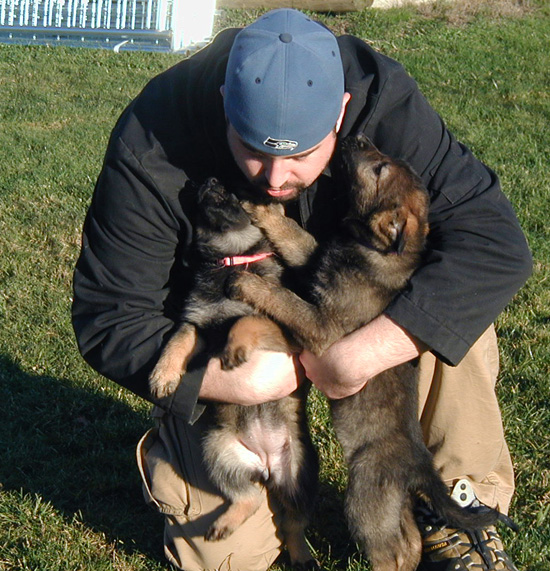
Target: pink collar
x=241, y=260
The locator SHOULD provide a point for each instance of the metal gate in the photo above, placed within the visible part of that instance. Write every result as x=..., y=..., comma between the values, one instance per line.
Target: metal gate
x=152, y=25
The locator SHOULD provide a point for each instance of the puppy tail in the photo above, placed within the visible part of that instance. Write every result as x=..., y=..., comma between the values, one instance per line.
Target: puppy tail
x=433, y=491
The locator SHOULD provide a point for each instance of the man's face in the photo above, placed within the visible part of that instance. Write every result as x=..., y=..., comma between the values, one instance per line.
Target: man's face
x=281, y=178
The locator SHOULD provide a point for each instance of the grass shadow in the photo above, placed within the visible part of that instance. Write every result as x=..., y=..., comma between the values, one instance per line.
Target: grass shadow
x=75, y=449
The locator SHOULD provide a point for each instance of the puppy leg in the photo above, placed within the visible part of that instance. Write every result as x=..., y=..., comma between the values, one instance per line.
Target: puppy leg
x=173, y=361
x=380, y=517
x=296, y=484
x=250, y=333
x=289, y=240
x=293, y=530
x=401, y=552
x=240, y=509
x=236, y=471
x=304, y=320
x=297, y=503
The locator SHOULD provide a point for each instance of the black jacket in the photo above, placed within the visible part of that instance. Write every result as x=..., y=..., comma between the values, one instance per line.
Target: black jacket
x=138, y=229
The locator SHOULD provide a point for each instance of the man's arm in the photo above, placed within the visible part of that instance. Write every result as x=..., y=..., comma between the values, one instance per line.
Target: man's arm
x=121, y=281
x=347, y=365
x=266, y=376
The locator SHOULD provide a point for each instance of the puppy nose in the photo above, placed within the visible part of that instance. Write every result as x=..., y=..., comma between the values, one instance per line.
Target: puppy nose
x=364, y=142
x=359, y=142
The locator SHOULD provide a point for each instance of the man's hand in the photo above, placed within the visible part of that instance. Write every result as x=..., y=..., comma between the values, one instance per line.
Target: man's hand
x=266, y=376
x=348, y=364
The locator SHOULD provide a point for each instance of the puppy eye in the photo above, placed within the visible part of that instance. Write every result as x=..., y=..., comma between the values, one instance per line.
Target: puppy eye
x=379, y=167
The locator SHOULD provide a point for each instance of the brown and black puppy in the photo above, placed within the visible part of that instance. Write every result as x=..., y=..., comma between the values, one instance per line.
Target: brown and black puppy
x=353, y=278
x=247, y=447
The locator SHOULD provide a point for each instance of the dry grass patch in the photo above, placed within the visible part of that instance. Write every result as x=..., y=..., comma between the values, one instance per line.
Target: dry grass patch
x=458, y=12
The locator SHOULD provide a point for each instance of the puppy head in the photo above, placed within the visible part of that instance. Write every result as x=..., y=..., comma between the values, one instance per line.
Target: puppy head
x=220, y=210
x=388, y=205
x=223, y=227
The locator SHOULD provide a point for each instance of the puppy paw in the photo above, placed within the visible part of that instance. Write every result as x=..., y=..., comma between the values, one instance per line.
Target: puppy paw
x=217, y=532
x=163, y=383
x=233, y=286
x=260, y=213
x=233, y=357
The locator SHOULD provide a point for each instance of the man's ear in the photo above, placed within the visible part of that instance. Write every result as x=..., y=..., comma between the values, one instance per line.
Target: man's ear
x=345, y=101
x=222, y=90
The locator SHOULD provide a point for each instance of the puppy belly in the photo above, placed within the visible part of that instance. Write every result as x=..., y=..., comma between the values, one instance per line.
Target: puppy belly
x=266, y=449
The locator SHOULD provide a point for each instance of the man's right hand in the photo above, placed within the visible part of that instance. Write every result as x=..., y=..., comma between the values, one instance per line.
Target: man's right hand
x=266, y=376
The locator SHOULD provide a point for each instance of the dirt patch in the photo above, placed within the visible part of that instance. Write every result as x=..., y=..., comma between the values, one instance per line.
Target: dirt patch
x=462, y=11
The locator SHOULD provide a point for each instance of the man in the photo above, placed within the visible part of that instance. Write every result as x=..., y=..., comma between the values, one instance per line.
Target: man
x=263, y=109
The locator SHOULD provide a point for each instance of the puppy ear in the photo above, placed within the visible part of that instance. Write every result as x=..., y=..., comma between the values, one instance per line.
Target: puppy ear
x=389, y=228
x=407, y=230
x=398, y=235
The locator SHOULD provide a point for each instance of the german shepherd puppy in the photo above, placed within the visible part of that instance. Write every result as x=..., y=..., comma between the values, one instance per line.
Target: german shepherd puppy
x=247, y=447
x=353, y=278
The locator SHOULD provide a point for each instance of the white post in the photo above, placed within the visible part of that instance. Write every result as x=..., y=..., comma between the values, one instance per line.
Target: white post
x=192, y=22
x=161, y=17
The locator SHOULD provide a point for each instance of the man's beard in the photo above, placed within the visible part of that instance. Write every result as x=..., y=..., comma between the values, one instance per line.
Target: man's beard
x=257, y=191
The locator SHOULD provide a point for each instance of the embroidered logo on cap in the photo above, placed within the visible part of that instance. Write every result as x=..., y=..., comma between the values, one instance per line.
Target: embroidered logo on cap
x=280, y=144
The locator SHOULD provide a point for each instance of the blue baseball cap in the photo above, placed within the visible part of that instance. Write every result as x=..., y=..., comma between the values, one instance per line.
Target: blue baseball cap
x=284, y=83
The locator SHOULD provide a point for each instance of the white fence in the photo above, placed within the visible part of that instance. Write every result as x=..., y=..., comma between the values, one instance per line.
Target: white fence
x=160, y=25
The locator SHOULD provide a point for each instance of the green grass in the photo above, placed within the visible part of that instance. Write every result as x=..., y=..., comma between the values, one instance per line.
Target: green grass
x=70, y=496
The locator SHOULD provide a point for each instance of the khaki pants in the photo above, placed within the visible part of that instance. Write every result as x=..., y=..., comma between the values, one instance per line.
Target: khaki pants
x=461, y=423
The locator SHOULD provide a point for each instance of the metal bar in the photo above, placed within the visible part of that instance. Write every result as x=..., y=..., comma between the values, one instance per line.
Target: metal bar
x=51, y=13
x=124, y=15
x=24, y=12
x=59, y=7
x=12, y=13
x=83, y=13
x=69, y=15
x=142, y=14
x=133, y=18
x=149, y=15
x=74, y=16
x=98, y=12
x=35, y=6
x=107, y=23
x=117, y=17
x=160, y=20
x=45, y=14
x=123, y=34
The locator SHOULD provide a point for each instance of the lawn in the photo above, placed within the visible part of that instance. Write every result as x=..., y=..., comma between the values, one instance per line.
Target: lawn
x=70, y=496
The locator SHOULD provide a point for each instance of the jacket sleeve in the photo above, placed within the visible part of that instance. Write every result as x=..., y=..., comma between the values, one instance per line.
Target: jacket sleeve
x=130, y=246
x=133, y=272
x=477, y=256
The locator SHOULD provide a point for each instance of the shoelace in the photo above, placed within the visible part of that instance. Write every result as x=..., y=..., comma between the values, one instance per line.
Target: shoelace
x=491, y=556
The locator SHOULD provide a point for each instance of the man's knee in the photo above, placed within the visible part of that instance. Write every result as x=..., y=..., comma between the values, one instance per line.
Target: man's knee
x=176, y=483
x=252, y=547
